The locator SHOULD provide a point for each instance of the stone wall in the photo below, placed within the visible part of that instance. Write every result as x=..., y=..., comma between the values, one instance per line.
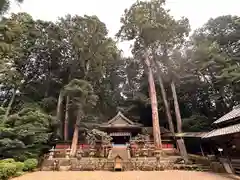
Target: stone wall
x=90, y=164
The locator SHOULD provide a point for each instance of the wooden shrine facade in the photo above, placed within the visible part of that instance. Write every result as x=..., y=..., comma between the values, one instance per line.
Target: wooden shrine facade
x=122, y=130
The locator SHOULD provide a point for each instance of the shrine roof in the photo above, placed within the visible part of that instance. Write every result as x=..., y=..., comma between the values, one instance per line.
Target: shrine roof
x=235, y=113
x=162, y=129
x=120, y=121
x=191, y=134
x=223, y=131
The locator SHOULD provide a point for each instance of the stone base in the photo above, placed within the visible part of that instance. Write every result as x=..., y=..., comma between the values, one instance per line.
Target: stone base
x=91, y=164
x=64, y=168
x=217, y=167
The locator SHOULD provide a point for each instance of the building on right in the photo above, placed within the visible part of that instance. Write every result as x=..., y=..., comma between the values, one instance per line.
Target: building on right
x=224, y=140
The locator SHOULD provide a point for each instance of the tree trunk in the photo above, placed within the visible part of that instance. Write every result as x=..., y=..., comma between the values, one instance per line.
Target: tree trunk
x=176, y=107
x=154, y=105
x=75, y=135
x=10, y=105
x=166, y=105
x=59, y=114
x=74, y=141
x=180, y=141
x=66, y=121
x=163, y=92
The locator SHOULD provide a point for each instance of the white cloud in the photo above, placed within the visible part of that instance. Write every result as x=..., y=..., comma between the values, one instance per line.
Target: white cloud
x=110, y=11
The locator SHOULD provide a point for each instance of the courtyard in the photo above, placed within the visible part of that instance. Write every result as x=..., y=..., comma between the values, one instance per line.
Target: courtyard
x=130, y=175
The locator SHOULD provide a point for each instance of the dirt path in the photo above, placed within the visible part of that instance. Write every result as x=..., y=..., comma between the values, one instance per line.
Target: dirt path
x=131, y=175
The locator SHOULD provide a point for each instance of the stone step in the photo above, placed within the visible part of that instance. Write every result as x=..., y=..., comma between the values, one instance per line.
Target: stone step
x=121, y=151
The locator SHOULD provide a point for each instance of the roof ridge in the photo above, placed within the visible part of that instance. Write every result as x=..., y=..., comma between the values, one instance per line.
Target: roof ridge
x=121, y=115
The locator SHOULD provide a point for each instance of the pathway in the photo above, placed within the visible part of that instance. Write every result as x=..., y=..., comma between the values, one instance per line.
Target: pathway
x=130, y=175
x=120, y=150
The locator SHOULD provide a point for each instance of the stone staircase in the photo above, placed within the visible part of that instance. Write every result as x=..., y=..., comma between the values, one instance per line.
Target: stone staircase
x=236, y=166
x=120, y=150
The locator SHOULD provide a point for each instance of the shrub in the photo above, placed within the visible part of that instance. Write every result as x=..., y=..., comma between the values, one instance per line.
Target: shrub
x=30, y=164
x=19, y=173
x=20, y=166
x=7, y=170
x=9, y=160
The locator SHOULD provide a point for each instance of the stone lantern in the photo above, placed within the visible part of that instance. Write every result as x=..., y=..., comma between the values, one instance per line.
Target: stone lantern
x=67, y=155
x=51, y=154
x=145, y=151
x=158, y=155
x=137, y=155
x=80, y=154
x=92, y=152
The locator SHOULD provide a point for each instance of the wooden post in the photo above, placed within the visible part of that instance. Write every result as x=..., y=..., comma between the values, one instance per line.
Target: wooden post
x=202, y=150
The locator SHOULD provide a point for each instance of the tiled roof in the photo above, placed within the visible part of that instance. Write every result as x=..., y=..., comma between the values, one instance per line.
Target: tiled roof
x=150, y=130
x=120, y=121
x=191, y=134
x=120, y=115
x=235, y=113
x=223, y=131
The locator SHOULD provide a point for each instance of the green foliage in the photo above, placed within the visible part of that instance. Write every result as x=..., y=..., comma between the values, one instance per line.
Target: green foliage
x=2, y=111
x=7, y=170
x=30, y=164
x=9, y=160
x=20, y=166
x=97, y=135
x=26, y=134
x=141, y=138
x=19, y=173
x=5, y=5
x=196, y=123
x=40, y=59
x=149, y=24
x=10, y=168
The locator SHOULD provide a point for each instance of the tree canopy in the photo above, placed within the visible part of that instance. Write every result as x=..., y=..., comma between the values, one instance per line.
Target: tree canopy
x=70, y=72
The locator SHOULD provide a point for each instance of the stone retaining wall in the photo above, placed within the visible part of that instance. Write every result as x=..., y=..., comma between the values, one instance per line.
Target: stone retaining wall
x=88, y=164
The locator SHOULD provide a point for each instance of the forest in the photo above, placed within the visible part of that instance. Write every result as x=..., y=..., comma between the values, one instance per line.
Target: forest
x=71, y=73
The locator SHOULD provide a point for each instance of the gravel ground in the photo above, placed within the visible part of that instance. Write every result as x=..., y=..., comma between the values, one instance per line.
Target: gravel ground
x=130, y=175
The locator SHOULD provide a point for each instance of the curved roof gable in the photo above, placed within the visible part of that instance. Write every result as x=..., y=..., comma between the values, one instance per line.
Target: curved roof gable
x=121, y=120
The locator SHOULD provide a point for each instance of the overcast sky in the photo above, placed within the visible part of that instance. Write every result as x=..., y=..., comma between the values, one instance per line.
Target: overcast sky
x=110, y=11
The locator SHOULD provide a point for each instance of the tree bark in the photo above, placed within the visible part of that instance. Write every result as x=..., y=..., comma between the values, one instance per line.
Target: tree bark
x=163, y=92
x=176, y=107
x=74, y=141
x=180, y=141
x=166, y=105
x=10, y=105
x=59, y=114
x=75, y=135
x=154, y=105
x=66, y=121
